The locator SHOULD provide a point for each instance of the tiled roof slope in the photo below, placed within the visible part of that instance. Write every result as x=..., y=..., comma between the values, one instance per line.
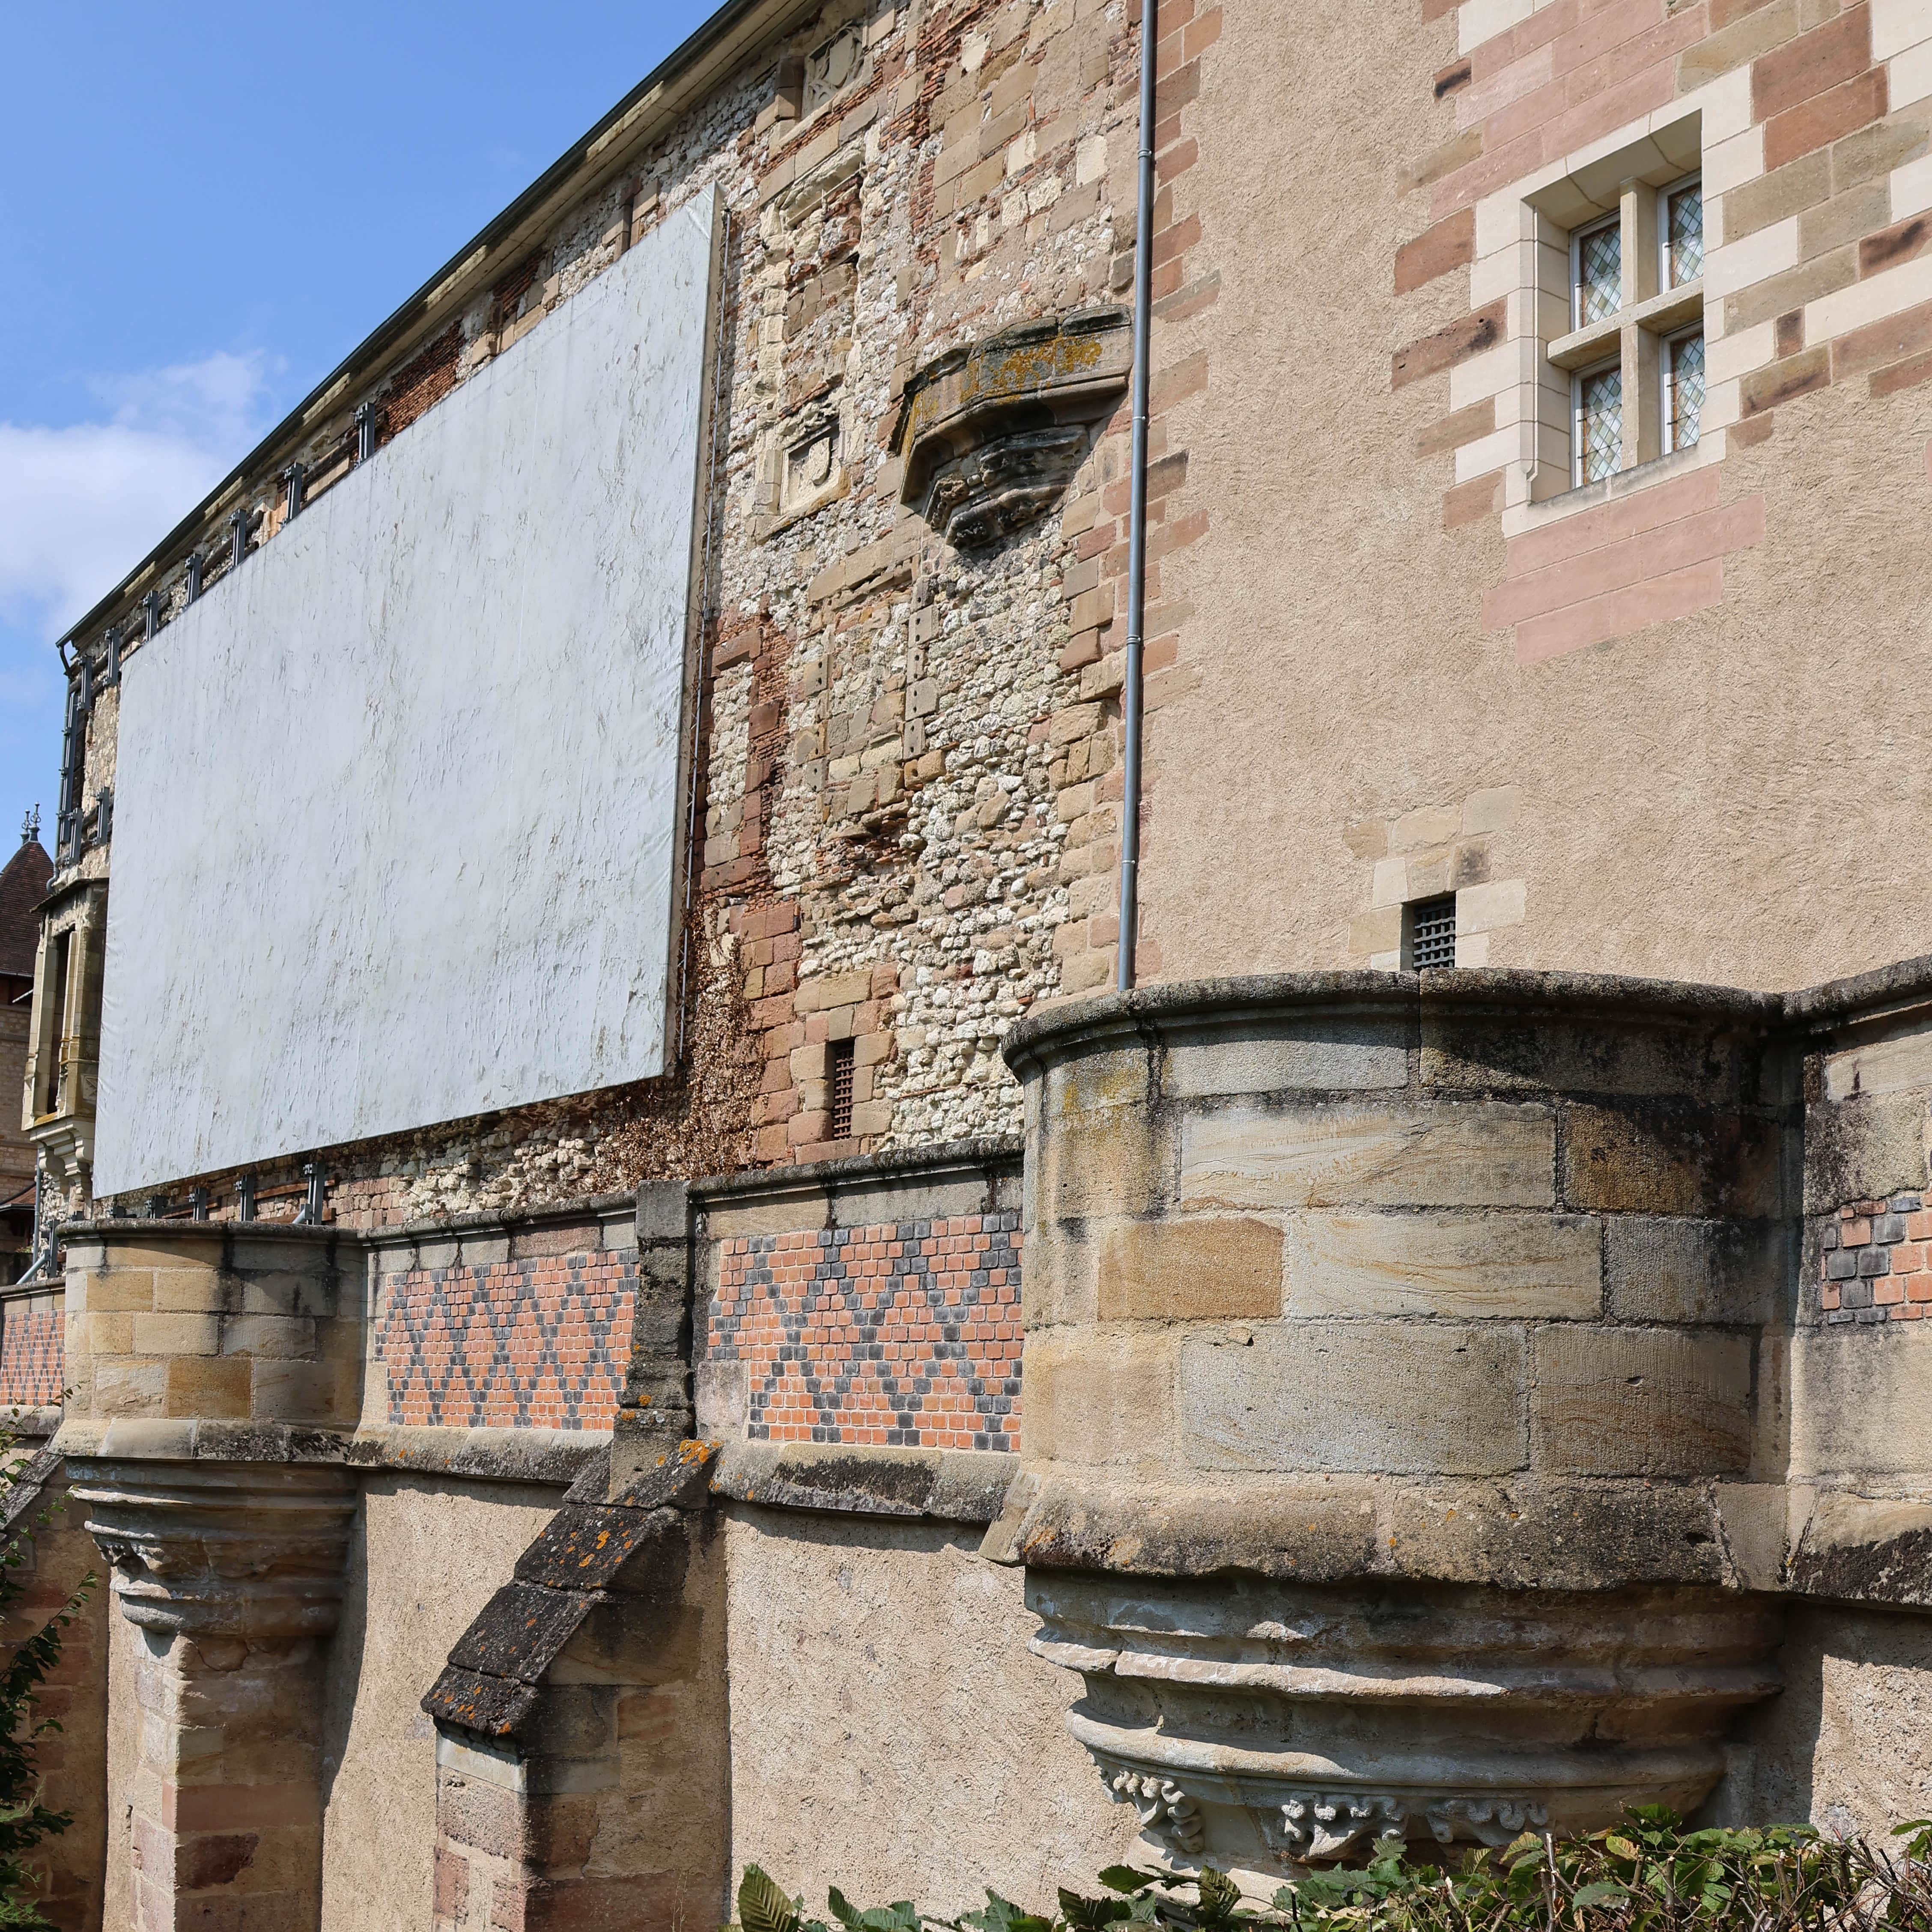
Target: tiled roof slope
x=23, y=884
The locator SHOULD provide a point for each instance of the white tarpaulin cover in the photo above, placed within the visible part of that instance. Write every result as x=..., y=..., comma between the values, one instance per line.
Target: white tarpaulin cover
x=396, y=802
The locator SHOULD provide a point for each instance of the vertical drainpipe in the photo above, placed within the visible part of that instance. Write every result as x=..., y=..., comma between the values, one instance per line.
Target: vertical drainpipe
x=1130, y=686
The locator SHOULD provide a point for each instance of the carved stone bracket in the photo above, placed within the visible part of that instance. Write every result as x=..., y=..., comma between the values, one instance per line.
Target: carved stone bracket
x=1260, y=1726
x=1319, y=1827
x=242, y=1549
x=1166, y=1811
x=991, y=433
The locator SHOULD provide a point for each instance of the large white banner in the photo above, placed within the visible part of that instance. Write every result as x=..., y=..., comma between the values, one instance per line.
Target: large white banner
x=396, y=803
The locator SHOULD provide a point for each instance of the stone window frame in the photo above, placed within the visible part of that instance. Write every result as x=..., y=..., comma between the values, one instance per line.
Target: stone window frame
x=1630, y=186
x=1522, y=263
x=65, y=1046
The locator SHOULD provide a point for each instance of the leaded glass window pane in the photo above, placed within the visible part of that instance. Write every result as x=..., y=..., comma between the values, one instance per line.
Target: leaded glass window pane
x=1600, y=275
x=1686, y=388
x=1686, y=237
x=1600, y=424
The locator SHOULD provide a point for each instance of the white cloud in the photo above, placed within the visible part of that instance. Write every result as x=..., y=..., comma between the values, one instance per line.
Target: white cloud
x=80, y=505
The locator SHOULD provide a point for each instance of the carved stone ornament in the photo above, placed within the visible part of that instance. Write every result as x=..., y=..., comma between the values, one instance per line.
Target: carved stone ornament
x=1166, y=1811
x=245, y=1550
x=1259, y=1726
x=991, y=433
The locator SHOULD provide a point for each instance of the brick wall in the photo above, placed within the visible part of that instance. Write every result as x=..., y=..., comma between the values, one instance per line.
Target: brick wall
x=32, y=1350
x=1875, y=1262
x=904, y=1333
x=531, y=1330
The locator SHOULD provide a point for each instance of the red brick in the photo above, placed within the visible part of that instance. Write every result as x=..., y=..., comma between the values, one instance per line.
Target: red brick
x=1784, y=382
x=1655, y=601
x=1811, y=64
x=1470, y=502
x=1880, y=344
x=1457, y=342
x=1816, y=123
x=1450, y=244
x=1903, y=241
x=1907, y=375
x=1451, y=432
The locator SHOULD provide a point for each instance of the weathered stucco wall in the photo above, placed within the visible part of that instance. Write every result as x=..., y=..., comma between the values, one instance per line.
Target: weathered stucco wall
x=1846, y=1743
x=890, y=1734
x=425, y=1555
x=1658, y=802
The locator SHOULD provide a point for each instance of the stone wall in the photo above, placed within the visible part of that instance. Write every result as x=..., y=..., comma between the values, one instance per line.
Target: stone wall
x=906, y=744
x=890, y=1733
x=425, y=1552
x=1380, y=620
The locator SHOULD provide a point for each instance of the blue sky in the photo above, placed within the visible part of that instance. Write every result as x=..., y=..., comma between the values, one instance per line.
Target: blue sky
x=204, y=210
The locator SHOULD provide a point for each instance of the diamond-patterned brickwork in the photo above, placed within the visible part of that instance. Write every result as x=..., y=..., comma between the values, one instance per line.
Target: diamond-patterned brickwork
x=541, y=1343
x=33, y=1356
x=906, y=1334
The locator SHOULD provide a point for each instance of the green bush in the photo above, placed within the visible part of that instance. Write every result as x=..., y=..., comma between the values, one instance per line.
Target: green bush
x=1648, y=1874
x=25, y=1822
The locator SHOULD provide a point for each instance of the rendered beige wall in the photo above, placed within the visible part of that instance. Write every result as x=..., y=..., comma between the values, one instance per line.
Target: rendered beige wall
x=1690, y=802
x=424, y=1556
x=1847, y=1743
x=890, y=1734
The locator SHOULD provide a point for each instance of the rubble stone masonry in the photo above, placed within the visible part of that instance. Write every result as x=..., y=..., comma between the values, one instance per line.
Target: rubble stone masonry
x=907, y=767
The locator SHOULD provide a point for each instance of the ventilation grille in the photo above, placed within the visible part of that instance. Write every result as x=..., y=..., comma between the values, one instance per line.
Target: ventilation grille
x=1431, y=942
x=842, y=1071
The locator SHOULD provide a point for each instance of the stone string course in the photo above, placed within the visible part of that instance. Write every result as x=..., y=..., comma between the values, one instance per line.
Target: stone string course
x=908, y=762
x=904, y=1334
x=1875, y=1262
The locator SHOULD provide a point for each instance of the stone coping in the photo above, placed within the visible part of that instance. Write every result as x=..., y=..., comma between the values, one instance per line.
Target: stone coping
x=184, y=1233
x=1886, y=993
x=964, y=1485
x=947, y=1160
x=962, y=1159
x=550, y=1456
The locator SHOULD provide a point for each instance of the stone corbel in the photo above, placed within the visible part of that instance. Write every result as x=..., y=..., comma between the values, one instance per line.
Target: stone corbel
x=221, y=1549
x=990, y=434
x=233, y=1574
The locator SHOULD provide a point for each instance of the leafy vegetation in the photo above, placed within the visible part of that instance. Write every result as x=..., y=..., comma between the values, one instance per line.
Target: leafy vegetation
x=1648, y=1874
x=25, y=1822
